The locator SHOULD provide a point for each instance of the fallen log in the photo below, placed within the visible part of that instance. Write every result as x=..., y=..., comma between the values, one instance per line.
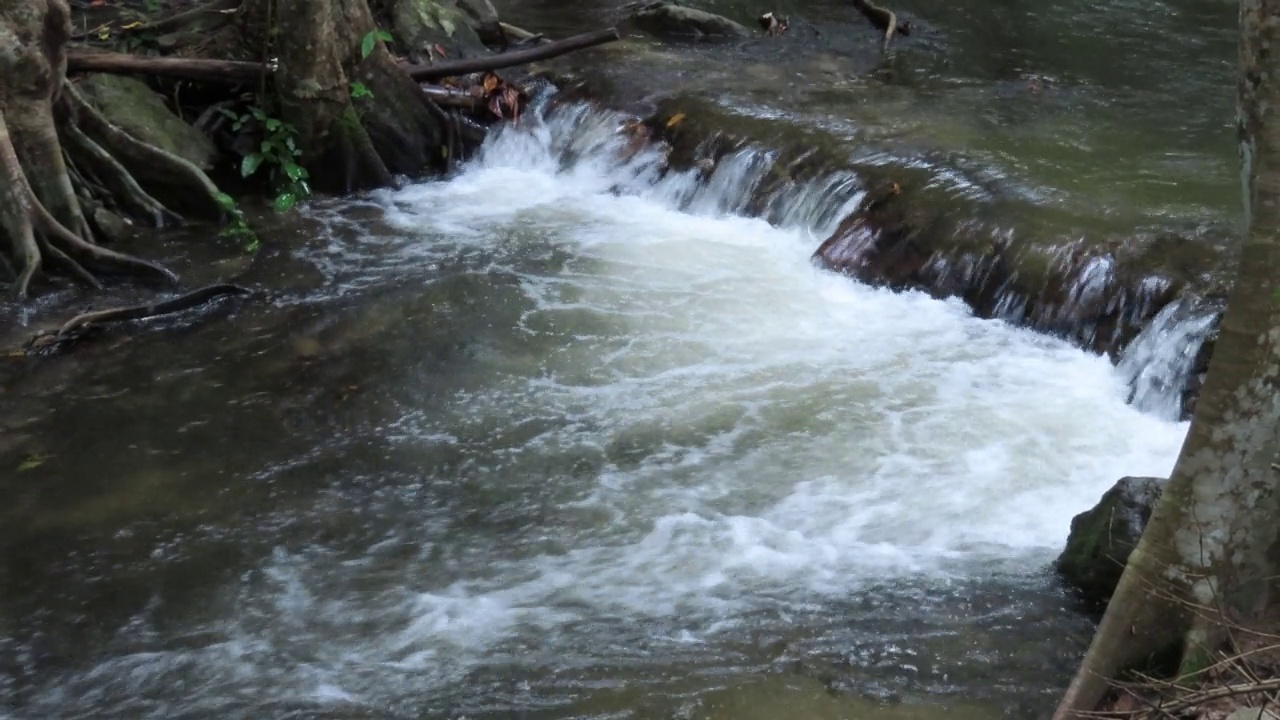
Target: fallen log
x=74, y=328
x=237, y=72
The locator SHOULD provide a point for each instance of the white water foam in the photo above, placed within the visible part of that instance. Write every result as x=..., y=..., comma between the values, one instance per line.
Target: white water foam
x=771, y=434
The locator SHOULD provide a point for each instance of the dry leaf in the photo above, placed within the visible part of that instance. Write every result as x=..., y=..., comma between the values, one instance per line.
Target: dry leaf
x=675, y=120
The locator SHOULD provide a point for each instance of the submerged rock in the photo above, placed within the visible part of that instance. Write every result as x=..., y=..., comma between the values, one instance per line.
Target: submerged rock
x=1103, y=537
x=670, y=20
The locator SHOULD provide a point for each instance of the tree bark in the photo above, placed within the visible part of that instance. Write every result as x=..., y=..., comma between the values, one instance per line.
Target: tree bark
x=351, y=144
x=42, y=225
x=1212, y=540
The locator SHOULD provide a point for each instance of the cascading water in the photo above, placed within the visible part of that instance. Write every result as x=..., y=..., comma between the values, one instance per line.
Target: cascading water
x=1158, y=363
x=682, y=455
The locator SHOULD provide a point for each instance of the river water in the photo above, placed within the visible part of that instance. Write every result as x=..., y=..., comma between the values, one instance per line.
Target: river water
x=563, y=437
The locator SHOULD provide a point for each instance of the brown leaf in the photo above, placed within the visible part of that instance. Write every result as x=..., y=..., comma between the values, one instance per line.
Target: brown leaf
x=490, y=82
x=441, y=51
x=675, y=120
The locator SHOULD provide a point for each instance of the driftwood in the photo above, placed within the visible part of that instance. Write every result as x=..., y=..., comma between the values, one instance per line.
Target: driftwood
x=74, y=328
x=237, y=72
x=884, y=20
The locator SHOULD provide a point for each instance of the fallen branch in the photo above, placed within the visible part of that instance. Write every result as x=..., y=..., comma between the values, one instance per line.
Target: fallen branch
x=237, y=72
x=216, y=71
x=73, y=328
x=884, y=20
x=515, y=57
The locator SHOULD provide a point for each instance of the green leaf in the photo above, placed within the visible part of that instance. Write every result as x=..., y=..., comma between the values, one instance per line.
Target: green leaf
x=273, y=124
x=360, y=90
x=368, y=43
x=32, y=462
x=266, y=147
x=285, y=201
x=294, y=171
x=384, y=36
x=226, y=201
x=250, y=164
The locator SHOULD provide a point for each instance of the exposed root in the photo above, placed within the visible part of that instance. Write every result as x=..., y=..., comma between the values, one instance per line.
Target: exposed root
x=110, y=171
x=15, y=215
x=77, y=270
x=143, y=160
x=102, y=258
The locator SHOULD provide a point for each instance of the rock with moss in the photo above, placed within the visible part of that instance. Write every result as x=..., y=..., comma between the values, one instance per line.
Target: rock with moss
x=141, y=112
x=674, y=21
x=423, y=27
x=1102, y=538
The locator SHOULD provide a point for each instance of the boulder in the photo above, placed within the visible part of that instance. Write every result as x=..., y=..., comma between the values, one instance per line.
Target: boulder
x=672, y=21
x=1102, y=538
x=141, y=112
x=424, y=26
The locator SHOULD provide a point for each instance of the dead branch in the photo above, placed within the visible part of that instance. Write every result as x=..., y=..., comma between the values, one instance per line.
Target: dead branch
x=237, y=72
x=884, y=20
x=515, y=57
x=215, y=71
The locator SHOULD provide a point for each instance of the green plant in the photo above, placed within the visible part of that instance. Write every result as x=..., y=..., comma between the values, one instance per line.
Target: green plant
x=237, y=228
x=279, y=152
x=371, y=39
x=359, y=90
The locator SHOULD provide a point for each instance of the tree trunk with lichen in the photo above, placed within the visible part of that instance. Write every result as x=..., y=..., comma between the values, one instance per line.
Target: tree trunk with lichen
x=58, y=154
x=360, y=119
x=1210, y=557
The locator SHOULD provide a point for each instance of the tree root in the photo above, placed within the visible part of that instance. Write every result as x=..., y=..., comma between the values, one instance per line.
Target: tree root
x=142, y=160
x=36, y=235
x=76, y=327
x=110, y=171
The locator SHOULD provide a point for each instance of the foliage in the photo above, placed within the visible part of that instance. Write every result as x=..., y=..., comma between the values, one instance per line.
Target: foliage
x=370, y=41
x=237, y=227
x=359, y=90
x=278, y=151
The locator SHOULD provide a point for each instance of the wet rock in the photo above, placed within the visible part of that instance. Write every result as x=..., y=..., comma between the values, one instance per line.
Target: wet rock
x=672, y=21
x=140, y=111
x=1102, y=538
x=422, y=25
x=1098, y=293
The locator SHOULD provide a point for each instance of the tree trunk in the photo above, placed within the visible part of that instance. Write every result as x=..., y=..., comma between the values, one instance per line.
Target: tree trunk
x=1212, y=540
x=351, y=144
x=46, y=130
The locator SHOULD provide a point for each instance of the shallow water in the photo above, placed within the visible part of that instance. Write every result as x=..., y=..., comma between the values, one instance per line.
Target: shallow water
x=560, y=438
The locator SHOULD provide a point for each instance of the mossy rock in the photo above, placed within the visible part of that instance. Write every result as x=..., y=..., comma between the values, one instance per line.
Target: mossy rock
x=1103, y=537
x=420, y=25
x=670, y=20
x=141, y=112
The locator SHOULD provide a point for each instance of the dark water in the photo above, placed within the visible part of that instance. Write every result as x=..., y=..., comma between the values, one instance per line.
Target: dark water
x=516, y=445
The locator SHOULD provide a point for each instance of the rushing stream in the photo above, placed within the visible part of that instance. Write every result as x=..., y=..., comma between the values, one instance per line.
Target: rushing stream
x=562, y=437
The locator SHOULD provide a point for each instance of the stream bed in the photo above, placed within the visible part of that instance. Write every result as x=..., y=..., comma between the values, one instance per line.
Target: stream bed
x=565, y=436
